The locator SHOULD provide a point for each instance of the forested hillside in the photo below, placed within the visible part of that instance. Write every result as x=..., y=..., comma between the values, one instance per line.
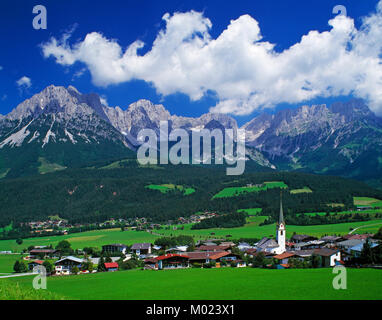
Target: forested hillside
x=94, y=195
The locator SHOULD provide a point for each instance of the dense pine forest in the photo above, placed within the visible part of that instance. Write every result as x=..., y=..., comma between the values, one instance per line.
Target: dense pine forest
x=95, y=195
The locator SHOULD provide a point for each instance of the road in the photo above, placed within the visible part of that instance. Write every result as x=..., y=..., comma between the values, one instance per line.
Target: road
x=369, y=225
x=18, y=275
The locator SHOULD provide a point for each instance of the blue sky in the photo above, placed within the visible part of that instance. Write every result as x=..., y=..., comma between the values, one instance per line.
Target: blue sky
x=282, y=23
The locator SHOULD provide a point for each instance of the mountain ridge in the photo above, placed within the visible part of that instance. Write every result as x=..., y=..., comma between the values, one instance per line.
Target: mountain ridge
x=319, y=138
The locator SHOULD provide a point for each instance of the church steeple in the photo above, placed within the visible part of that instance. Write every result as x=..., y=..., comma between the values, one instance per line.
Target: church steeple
x=281, y=218
x=281, y=232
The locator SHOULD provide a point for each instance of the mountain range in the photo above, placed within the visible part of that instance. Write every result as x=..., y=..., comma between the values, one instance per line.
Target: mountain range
x=62, y=128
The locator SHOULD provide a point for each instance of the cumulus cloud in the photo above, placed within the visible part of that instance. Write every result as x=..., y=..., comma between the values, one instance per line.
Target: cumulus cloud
x=244, y=71
x=24, y=82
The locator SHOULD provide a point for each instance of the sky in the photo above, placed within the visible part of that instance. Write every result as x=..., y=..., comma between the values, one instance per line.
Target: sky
x=236, y=57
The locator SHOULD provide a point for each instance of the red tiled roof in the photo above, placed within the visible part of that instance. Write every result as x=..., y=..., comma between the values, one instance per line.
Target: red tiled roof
x=111, y=265
x=284, y=255
x=37, y=261
x=285, y=265
x=168, y=256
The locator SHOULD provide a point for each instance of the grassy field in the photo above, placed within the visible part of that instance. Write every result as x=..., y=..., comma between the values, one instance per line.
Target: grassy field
x=303, y=190
x=252, y=211
x=7, y=261
x=164, y=188
x=235, y=191
x=47, y=167
x=215, y=284
x=367, y=202
x=370, y=212
x=9, y=290
x=81, y=240
x=250, y=230
x=253, y=230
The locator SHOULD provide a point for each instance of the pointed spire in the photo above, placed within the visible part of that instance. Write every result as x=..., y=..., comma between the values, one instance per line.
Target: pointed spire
x=281, y=218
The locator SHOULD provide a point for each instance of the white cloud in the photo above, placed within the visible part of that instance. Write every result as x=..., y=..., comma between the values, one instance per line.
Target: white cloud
x=245, y=72
x=104, y=100
x=24, y=82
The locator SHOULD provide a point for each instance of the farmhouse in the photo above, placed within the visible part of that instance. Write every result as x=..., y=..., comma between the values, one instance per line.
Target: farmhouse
x=66, y=265
x=173, y=261
x=43, y=253
x=204, y=257
x=151, y=264
x=299, y=238
x=35, y=263
x=284, y=257
x=329, y=257
x=141, y=249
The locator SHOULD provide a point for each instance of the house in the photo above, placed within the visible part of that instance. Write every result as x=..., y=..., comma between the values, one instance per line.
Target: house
x=111, y=266
x=228, y=243
x=213, y=248
x=329, y=257
x=314, y=244
x=298, y=238
x=172, y=261
x=151, y=264
x=43, y=253
x=330, y=239
x=303, y=254
x=357, y=250
x=239, y=263
x=284, y=257
x=178, y=249
x=95, y=261
x=141, y=249
x=65, y=265
x=113, y=248
x=204, y=257
x=347, y=244
x=230, y=257
x=34, y=263
x=243, y=246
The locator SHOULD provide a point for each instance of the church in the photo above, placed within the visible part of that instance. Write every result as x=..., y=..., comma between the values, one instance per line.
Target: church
x=270, y=245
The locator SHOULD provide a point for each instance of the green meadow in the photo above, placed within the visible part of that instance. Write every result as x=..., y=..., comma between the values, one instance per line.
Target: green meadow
x=303, y=190
x=165, y=188
x=252, y=211
x=367, y=202
x=7, y=261
x=81, y=240
x=236, y=191
x=251, y=230
x=215, y=284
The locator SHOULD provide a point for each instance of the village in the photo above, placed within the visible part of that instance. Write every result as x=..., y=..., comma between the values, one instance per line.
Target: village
x=300, y=251
x=58, y=226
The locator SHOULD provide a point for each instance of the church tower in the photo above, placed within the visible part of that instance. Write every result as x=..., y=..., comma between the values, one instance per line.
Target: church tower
x=281, y=233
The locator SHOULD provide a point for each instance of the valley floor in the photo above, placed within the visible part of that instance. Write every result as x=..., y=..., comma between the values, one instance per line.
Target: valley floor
x=250, y=230
x=215, y=284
